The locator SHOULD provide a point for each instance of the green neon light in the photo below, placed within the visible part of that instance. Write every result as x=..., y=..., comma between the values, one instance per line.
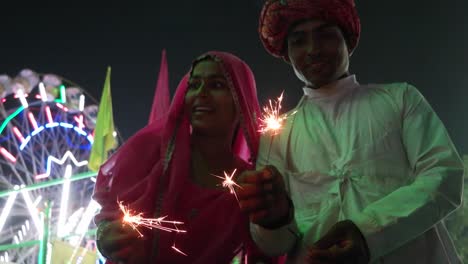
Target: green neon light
x=8, y=119
x=63, y=94
x=21, y=108
x=29, y=243
x=46, y=184
x=40, y=256
x=43, y=244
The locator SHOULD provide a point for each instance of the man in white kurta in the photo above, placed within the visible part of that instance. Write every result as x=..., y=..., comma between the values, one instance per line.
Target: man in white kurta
x=376, y=155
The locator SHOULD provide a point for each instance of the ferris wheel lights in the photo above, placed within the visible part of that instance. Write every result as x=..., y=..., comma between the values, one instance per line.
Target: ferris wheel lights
x=8, y=205
x=61, y=161
x=10, y=117
x=32, y=210
x=29, y=142
x=66, y=125
x=20, y=235
x=32, y=120
x=16, y=96
x=49, y=114
x=87, y=217
x=61, y=106
x=80, y=131
x=68, y=172
x=37, y=131
x=25, y=142
x=5, y=258
x=41, y=128
x=82, y=103
x=42, y=92
x=7, y=155
x=22, y=98
x=18, y=134
x=63, y=95
x=64, y=201
x=79, y=120
x=50, y=125
x=37, y=201
x=72, y=221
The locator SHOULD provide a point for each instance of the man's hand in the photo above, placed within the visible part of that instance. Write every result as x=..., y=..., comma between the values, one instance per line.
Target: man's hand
x=120, y=243
x=343, y=243
x=263, y=197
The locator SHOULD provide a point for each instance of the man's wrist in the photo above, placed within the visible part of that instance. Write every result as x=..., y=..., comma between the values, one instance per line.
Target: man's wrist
x=283, y=220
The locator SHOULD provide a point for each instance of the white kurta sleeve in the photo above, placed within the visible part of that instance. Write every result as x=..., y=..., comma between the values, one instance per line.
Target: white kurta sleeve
x=274, y=242
x=435, y=188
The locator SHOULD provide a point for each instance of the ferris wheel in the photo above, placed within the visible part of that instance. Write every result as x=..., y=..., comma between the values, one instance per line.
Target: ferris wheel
x=46, y=134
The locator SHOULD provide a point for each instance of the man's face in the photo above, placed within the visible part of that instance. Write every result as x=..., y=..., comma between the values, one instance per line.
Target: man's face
x=317, y=52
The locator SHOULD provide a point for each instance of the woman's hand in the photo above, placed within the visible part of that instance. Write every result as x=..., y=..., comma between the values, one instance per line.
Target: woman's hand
x=120, y=243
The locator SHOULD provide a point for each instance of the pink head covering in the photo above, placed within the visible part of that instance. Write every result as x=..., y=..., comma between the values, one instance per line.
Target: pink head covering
x=277, y=17
x=148, y=169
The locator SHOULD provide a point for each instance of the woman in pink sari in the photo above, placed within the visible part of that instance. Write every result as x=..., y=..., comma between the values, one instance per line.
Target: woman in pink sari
x=167, y=169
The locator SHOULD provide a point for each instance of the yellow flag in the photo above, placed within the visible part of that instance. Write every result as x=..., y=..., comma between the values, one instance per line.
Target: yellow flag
x=63, y=252
x=104, y=139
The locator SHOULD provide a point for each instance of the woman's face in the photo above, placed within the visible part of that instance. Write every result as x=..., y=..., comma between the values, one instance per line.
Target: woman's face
x=208, y=100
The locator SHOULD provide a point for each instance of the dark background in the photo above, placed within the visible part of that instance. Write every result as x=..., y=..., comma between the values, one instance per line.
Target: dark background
x=420, y=42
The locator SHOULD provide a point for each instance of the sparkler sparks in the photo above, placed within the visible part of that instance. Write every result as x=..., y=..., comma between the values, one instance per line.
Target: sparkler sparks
x=229, y=182
x=137, y=220
x=178, y=250
x=271, y=120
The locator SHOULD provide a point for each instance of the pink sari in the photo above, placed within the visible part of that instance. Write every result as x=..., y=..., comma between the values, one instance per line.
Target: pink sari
x=151, y=174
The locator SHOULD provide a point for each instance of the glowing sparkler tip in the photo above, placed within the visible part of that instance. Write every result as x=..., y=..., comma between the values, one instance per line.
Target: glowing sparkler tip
x=137, y=220
x=271, y=120
x=228, y=182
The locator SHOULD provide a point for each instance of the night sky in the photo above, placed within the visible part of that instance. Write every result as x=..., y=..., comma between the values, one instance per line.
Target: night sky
x=420, y=42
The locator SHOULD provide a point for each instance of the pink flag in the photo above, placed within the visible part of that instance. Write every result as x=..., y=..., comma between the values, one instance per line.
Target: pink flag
x=161, y=98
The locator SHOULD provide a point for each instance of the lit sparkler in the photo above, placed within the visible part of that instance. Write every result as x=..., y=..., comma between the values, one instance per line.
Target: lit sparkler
x=271, y=120
x=137, y=220
x=228, y=182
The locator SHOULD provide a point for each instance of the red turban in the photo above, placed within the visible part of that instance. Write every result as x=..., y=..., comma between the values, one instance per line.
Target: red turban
x=278, y=16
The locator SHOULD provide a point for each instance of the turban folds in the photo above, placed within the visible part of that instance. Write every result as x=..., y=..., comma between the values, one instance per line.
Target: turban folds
x=278, y=16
